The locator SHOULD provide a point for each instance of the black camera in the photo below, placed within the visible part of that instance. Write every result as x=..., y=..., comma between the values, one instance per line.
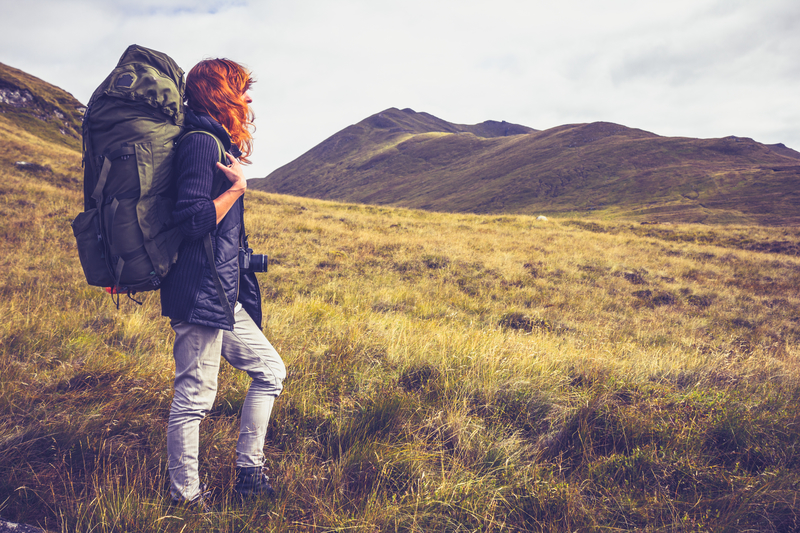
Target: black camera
x=250, y=262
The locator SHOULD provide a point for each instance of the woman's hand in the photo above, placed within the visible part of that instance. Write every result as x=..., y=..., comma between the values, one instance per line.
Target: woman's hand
x=235, y=174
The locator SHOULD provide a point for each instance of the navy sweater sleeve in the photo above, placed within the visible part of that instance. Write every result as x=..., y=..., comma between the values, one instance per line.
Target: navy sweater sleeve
x=195, y=165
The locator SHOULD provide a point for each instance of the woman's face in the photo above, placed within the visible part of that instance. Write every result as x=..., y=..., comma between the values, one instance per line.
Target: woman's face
x=246, y=98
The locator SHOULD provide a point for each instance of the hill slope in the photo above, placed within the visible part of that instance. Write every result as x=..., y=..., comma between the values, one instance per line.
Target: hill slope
x=40, y=108
x=40, y=143
x=415, y=160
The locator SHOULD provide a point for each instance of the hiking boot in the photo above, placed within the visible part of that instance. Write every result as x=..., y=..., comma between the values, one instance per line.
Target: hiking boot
x=199, y=504
x=251, y=481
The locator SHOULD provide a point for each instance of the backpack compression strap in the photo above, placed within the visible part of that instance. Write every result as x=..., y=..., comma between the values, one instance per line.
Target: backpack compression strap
x=97, y=196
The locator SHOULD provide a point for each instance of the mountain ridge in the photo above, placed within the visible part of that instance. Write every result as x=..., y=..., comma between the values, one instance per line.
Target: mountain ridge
x=409, y=159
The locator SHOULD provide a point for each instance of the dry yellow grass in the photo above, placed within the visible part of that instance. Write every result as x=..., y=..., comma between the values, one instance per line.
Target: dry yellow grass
x=446, y=373
x=451, y=279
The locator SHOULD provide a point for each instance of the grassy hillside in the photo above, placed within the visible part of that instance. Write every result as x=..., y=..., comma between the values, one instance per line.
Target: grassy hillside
x=40, y=108
x=408, y=159
x=446, y=373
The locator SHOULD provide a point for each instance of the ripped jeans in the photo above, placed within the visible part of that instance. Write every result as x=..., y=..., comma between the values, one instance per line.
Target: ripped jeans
x=197, y=353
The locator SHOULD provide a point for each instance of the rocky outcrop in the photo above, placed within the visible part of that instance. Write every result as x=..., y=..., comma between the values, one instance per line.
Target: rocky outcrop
x=22, y=99
x=15, y=97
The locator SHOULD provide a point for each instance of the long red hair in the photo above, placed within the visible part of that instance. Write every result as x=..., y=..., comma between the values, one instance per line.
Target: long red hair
x=215, y=87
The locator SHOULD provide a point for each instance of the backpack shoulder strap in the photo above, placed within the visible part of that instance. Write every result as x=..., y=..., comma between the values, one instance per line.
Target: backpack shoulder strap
x=204, y=132
x=218, y=182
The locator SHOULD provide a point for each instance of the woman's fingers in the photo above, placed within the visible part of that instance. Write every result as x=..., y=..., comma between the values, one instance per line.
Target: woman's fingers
x=234, y=171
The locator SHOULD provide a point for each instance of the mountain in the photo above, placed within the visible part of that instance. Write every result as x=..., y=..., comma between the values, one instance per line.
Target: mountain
x=39, y=108
x=409, y=159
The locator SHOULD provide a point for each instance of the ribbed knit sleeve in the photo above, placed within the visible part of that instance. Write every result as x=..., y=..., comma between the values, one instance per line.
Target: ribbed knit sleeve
x=195, y=164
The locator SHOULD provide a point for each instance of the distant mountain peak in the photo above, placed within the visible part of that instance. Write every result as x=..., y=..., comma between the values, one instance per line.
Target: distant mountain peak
x=409, y=121
x=414, y=159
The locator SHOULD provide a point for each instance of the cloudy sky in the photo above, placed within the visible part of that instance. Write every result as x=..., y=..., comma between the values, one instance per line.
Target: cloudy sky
x=691, y=68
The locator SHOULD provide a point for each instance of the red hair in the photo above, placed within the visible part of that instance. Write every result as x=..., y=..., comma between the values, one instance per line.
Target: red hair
x=215, y=87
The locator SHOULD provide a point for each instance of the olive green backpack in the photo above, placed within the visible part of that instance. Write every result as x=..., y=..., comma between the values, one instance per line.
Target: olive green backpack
x=125, y=236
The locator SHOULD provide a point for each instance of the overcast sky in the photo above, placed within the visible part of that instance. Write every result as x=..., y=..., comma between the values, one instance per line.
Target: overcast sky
x=690, y=68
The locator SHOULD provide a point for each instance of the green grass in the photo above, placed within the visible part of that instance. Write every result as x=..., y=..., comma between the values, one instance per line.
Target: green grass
x=446, y=373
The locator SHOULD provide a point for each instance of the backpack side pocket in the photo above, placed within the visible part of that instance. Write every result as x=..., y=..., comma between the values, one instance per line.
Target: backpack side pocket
x=92, y=249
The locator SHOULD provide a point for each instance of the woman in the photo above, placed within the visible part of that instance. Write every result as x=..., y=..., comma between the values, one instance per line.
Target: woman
x=215, y=311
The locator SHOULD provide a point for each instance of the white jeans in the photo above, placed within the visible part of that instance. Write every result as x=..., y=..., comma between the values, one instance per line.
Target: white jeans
x=197, y=353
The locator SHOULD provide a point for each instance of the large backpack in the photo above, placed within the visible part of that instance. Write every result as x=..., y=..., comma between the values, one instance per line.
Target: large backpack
x=126, y=240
